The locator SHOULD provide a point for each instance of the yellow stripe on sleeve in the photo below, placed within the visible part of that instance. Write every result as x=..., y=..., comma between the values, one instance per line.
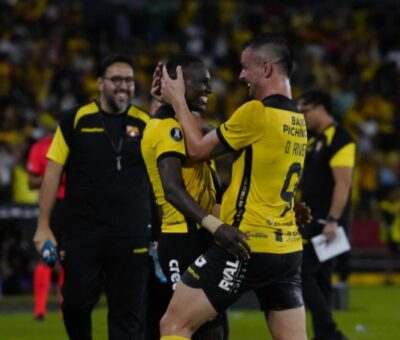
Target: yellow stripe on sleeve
x=59, y=150
x=344, y=157
x=88, y=109
x=137, y=113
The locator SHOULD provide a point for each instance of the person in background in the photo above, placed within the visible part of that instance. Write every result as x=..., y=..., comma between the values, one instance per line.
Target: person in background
x=326, y=186
x=106, y=229
x=42, y=274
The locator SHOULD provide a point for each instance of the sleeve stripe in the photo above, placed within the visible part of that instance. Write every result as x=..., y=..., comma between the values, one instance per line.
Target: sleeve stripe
x=59, y=150
x=135, y=112
x=344, y=157
x=171, y=154
x=85, y=110
x=223, y=140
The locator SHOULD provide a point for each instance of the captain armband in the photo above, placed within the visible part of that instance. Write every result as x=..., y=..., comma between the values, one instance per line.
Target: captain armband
x=211, y=223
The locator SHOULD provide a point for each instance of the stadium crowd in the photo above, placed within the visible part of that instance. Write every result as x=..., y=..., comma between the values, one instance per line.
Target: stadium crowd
x=50, y=49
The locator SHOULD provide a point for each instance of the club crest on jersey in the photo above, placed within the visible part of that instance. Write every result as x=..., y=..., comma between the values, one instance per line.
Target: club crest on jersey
x=176, y=134
x=132, y=131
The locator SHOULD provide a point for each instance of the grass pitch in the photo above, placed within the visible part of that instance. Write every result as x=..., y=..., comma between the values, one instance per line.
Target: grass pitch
x=374, y=314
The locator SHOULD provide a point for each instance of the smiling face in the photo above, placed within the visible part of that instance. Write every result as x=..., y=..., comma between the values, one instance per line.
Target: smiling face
x=197, y=83
x=252, y=73
x=117, y=87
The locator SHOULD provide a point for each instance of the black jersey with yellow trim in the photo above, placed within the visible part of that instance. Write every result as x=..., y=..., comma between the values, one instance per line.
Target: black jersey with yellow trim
x=163, y=137
x=269, y=139
x=334, y=147
x=100, y=195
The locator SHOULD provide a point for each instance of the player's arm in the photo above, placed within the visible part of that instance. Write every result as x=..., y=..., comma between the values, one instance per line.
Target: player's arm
x=200, y=148
x=170, y=169
x=232, y=239
x=48, y=194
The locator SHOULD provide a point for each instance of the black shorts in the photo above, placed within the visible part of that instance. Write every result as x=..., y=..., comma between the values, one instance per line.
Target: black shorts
x=275, y=278
x=176, y=252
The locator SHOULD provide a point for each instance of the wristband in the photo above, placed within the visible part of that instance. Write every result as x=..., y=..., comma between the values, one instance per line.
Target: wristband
x=211, y=223
x=330, y=218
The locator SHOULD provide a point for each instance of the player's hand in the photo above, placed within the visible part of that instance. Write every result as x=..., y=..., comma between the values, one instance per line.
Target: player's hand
x=233, y=241
x=156, y=83
x=172, y=90
x=43, y=233
x=303, y=214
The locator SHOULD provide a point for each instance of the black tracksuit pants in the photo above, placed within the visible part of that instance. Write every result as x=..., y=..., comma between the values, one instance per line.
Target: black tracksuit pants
x=317, y=292
x=119, y=266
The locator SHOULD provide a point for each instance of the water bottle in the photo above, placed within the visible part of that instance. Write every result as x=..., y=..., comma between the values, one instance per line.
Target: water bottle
x=157, y=268
x=49, y=254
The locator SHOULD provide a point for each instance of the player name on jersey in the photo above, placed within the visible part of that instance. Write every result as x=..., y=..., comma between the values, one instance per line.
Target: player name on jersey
x=297, y=128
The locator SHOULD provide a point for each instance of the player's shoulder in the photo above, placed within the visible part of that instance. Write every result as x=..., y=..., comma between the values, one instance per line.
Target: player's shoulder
x=278, y=101
x=165, y=112
x=165, y=117
x=252, y=105
x=163, y=124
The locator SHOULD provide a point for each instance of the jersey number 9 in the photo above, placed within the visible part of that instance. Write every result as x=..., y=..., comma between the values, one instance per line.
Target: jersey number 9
x=289, y=189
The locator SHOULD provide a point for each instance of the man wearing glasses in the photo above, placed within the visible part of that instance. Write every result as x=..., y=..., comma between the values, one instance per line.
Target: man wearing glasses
x=107, y=204
x=326, y=186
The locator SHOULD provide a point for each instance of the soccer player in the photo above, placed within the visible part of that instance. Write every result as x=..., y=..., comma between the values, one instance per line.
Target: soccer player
x=268, y=137
x=179, y=186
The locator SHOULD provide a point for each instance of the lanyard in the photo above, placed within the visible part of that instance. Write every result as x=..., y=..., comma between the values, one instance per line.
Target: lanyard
x=117, y=148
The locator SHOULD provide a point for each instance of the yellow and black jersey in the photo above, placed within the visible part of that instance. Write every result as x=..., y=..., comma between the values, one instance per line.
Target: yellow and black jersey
x=332, y=148
x=270, y=140
x=163, y=137
x=107, y=188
